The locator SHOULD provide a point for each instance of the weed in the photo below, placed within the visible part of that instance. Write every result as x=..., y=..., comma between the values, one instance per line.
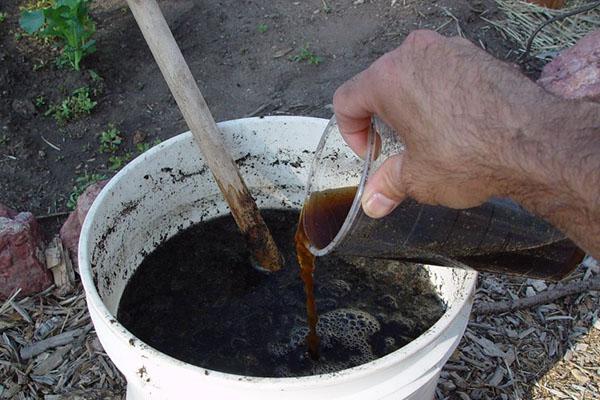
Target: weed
x=4, y=140
x=39, y=101
x=2, y=17
x=81, y=183
x=77, y=104
x=262, y=28
x=95, y=77
x=305, y=54
x=115, y=163
x=144, y=147
x=68, y=21
x=110, y=140
x=62, y=62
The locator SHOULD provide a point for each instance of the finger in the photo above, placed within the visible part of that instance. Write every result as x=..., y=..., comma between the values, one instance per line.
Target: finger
x=384, y=191
x=352, y=106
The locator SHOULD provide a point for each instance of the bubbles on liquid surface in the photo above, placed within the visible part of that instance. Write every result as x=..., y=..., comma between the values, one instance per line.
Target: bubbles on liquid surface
x=347, y=327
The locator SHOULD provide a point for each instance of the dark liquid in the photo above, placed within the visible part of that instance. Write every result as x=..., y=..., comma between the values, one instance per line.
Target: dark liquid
x=197, y=298
x=306, y=260
x=492, y=238
x=326, y=211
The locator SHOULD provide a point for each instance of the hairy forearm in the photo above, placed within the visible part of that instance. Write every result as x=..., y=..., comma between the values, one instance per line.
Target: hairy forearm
x=555, y=170
x=475, y=128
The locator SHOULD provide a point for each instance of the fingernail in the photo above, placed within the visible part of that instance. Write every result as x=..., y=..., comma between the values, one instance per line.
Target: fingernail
x=378, y=205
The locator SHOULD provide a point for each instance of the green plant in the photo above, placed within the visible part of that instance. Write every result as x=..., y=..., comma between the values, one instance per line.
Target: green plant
x=39, y=101
x=81, y=183
x=95, y=77
x=68, y=21
x=305, y=54
x=144, y=147
x=2, y=17
x=77, y=104
x=262, y=28
x=4, y=139
x=110, y=140
x=115, y=163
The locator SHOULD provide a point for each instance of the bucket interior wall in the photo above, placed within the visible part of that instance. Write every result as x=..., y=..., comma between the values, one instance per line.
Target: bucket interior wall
x=175, y=190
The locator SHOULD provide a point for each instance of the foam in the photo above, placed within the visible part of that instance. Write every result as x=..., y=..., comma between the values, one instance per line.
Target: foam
x=338, y=288
x=349, y=327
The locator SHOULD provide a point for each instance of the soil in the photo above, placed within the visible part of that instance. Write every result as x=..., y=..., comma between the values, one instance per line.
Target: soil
x=198, y=298
x=240, y=71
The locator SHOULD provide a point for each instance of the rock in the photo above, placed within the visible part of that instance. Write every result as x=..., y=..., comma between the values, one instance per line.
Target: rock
x=24, y=108
x=21, y=254
x=575, y=73
x=69, y=233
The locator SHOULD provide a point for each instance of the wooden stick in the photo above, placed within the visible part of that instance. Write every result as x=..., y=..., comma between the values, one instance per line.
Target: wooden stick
x=541, y=298
x=200, y=121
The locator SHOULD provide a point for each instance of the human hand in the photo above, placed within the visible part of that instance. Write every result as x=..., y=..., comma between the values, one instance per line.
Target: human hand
x=458, y=111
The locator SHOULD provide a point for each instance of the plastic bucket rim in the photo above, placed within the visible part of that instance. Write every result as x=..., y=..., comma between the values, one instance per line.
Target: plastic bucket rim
x=123, y=335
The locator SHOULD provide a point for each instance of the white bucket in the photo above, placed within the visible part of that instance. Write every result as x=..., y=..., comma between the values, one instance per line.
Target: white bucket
x=167, y=189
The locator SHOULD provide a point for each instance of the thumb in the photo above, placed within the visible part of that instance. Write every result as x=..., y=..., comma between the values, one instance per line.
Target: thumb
x=384, y=191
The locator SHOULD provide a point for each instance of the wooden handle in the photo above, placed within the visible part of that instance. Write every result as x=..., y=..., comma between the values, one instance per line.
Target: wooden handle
x=195, y=111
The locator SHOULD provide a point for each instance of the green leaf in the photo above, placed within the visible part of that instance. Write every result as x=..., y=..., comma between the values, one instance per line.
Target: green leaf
x=32, y=21
x=89, y=47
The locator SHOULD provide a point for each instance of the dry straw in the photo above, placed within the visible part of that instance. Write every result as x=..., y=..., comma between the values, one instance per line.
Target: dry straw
x=523, y=18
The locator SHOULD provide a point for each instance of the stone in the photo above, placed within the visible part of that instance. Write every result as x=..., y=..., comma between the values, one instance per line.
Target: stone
x=69, y=232
x=575, y=72
x=22, y=263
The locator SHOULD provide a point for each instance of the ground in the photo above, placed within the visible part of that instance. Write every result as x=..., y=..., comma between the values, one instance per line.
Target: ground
x=239, y=52
x=241, y=71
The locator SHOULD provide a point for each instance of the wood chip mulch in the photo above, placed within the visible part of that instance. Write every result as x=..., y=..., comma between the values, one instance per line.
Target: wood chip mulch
x=49, y=349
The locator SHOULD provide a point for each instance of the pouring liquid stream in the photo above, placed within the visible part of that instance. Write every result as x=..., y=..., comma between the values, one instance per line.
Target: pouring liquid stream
x=321, y=218
x=307, y=266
